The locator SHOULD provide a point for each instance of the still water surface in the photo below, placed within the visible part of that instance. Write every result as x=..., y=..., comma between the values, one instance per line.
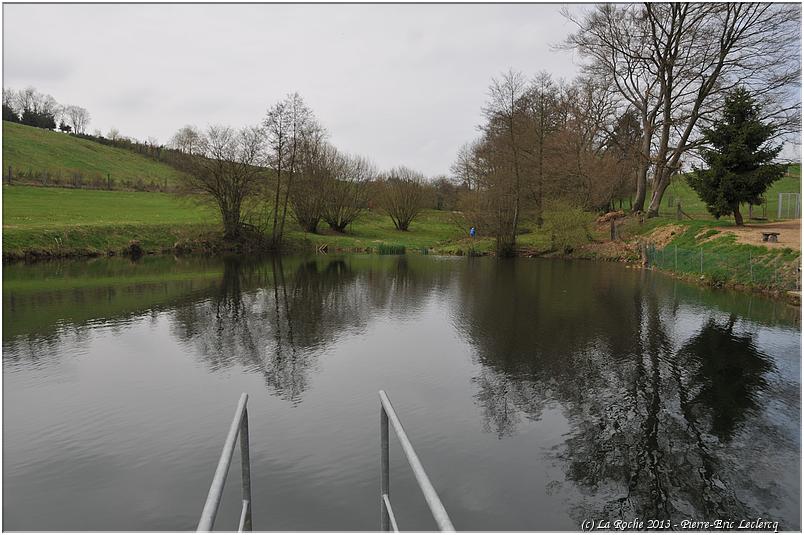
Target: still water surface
x=537, y=393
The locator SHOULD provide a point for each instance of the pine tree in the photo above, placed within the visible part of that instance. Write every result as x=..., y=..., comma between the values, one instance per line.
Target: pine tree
x=738, y=156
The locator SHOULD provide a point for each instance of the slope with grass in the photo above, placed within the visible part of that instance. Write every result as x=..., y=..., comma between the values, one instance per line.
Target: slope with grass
x=44, y=156
x=70, y=222
x=679, y=191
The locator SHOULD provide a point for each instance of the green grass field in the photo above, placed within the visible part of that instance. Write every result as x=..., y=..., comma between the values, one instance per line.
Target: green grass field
x=68, y=221
x=58, y=220
x=34, y=152
x=28, y=207
x=679, y=191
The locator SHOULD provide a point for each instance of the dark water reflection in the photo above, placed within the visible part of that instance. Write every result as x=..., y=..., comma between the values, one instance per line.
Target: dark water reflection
x=537, y=393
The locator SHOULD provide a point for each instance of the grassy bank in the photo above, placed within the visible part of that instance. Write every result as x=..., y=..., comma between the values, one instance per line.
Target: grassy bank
x=90, y=222
x=69, y=222
x=41, y=222
x=715, y=256
x=702, y=251
x=43, y=156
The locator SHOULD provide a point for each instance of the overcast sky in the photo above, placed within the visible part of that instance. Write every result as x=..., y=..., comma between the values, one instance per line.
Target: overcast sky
x=401, y=84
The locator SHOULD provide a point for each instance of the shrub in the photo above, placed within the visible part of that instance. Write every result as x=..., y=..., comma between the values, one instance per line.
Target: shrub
x=567, y=224
x=718, y=278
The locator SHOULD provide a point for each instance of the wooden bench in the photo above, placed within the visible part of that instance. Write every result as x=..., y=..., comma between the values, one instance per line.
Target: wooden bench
x=770, y=236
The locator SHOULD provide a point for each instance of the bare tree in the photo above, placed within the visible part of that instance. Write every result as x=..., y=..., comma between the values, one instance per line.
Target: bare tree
x=77, y=117
x=317, y=162
x=226, y=166
x=286, y=124
x=505, y=112
x=27, y=99
x=402, y=196
x=114, y=134
x=615, y=39
x=465, y=169
x=186, y=140
x=345, y=195
x=543, y=100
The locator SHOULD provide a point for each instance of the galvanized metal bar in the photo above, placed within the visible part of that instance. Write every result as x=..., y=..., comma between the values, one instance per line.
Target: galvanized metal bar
x=245, y=517
x=219, y=480
x=430, y=495
x=245, y=469
x=385, y=470
x=390, y=512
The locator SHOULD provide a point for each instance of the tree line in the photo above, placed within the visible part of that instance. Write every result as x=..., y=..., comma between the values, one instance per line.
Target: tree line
x=32, y=108
x=285, y=168
x=654, y=80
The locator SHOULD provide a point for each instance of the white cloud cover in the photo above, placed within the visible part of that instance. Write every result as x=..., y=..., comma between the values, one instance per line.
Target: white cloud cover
x=400, y=83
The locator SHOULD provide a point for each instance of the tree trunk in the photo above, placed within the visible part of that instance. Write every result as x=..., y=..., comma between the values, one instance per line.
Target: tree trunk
x=644, y=163
x=276, y=201
x=658, y=192
x=738, y=217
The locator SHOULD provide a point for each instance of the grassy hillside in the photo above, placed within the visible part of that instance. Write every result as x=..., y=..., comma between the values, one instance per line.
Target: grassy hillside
x=691, y=204
x=61, y=222
x=96, y=221
x=35, y=153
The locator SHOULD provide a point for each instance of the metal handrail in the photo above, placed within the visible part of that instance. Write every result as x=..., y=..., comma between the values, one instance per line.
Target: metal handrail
x=239, y=427
x=387, y=519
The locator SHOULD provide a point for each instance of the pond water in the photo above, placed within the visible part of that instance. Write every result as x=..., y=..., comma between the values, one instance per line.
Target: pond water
x=537, y=393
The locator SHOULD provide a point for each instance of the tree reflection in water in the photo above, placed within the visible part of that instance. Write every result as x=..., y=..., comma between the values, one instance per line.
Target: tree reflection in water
x=652, y=415
x=271, y=322
x=276, y=321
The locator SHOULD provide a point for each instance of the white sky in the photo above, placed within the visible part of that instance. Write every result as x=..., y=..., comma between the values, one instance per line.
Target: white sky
x=401, y=84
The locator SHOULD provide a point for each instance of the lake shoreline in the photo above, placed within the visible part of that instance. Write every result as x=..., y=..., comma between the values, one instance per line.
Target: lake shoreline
x=208, y=243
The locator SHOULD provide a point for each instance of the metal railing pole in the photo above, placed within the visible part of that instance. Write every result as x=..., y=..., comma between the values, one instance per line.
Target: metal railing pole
x=219, y=480
x=385, y=472
x=245, y=468
x=430, y=495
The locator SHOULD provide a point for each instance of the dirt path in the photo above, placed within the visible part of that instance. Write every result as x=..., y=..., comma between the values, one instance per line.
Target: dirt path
x=789, y=233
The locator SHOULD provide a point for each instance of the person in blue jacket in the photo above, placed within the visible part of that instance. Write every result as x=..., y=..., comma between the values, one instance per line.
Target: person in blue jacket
x=472, y=232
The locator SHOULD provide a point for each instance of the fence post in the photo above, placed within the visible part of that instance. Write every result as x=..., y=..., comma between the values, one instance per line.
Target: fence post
x=779, y=207
x=385, y=519
x=701, y=260
x=109, y=181
x=9, y=175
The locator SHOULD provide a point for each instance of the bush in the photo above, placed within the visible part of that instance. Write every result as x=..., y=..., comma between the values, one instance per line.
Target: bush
x=718, y=278
x=568, y=226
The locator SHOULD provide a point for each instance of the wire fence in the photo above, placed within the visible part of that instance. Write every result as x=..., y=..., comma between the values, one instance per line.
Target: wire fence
x=774, y=270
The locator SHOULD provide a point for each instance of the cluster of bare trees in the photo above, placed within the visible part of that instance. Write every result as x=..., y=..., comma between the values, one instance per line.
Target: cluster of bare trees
x=30, y=107
x=544, y=140
x=654, y=76
x=284, y=168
